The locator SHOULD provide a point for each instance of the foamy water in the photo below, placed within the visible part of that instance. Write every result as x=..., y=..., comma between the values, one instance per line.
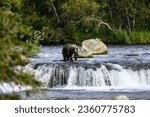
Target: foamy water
x=124, y=68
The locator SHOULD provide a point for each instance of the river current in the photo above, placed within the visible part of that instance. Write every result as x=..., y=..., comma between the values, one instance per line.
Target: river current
x=125, y=70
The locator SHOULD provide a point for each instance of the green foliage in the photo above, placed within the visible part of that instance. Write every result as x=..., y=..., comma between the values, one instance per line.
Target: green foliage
x=15, y=45
x=36, y=13
x=77, y=20
x=134, y=38
x=129, y=13
x=140, y=37
x=49, y=36
x=123, y=37
x=80, y=17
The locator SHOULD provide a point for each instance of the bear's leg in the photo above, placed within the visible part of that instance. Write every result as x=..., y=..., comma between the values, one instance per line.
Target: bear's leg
x=67, y=58
x=75, y=58
x=71, y=58
x=64, y=56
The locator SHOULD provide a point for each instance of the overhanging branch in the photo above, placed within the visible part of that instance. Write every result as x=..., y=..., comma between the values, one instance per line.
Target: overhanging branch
x=102, y=23
x=55, y=11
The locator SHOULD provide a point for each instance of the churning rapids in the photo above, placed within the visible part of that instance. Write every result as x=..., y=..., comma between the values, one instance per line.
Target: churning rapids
x=125, y=70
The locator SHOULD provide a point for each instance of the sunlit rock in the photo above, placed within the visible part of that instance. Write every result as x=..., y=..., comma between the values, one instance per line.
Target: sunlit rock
x=95, y=45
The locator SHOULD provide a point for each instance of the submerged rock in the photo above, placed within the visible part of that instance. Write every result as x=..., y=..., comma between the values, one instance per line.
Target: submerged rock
x=95, y=45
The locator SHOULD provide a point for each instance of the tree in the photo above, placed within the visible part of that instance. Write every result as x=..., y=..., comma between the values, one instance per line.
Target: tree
x=80, y=17
x=15, y=45
x=76, y=20
x=129, y=13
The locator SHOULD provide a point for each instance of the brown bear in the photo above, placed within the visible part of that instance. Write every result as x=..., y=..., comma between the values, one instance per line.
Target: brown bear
x=69, y=52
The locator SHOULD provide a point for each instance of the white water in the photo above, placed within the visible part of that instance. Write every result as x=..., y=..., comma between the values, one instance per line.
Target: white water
x=91, y=78
x=98, y=77
x=12, y=87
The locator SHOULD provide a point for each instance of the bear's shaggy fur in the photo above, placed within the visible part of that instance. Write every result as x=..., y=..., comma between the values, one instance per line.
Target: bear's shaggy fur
x=69, y=52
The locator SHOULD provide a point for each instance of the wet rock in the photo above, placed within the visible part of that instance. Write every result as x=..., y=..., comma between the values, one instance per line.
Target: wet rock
x=95, y=45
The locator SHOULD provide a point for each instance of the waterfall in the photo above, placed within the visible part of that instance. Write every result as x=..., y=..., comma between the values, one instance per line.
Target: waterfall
x=81, y=76
x=63, y=75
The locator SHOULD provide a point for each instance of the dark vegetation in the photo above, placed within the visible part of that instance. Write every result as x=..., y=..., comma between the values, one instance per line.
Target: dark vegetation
x=113, y=21
x=15, y=46
x=25, y=24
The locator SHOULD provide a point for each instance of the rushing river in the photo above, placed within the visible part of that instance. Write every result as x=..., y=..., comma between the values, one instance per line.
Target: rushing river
x=125, y=70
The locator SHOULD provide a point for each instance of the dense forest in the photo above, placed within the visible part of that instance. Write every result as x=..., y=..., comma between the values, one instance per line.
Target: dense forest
x=61, y=21
x=27, y=24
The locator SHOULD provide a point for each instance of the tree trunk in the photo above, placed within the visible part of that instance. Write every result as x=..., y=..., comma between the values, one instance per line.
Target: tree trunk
x=128, y=20
x=133, y=23
x=55, y=11
x=128, y=26
x=112, y=20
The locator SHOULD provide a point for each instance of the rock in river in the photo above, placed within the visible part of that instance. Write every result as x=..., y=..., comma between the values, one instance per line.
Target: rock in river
x=85, y=53
x=95, y=45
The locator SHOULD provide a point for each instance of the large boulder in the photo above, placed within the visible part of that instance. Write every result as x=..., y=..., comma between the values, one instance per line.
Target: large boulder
x=95, y=45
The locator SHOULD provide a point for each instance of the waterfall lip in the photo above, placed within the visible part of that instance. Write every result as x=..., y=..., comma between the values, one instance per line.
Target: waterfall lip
x=82, y=75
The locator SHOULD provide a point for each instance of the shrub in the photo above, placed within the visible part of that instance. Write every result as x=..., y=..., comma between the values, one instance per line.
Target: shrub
x=140, y=37
x=15, y=45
